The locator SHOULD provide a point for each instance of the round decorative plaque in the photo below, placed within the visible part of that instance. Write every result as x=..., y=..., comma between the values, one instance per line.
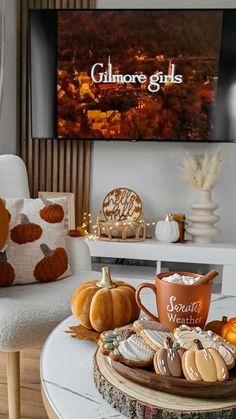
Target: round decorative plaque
x=122, y=204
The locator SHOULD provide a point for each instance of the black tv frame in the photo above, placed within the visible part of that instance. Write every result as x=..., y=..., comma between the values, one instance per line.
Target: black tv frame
x=45, y=120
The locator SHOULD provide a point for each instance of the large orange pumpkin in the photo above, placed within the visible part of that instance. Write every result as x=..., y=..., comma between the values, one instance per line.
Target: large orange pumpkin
x=26, y=232
x=7, y=273
x=105, y=305
x=4, y=224
x=52, y=266
x=229, y=331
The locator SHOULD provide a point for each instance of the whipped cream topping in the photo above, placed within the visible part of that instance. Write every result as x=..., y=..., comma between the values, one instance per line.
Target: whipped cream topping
x=181, y=279
x=135, y=349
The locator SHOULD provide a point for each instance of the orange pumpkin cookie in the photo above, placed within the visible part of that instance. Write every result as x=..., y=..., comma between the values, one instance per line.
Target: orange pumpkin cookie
x=7, y=273
x=52, y=213
x=201, y=364
x=26, y=232
x=52, y=266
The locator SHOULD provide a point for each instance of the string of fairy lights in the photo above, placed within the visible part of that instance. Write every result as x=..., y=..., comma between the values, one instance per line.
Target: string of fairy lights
x=87, y=225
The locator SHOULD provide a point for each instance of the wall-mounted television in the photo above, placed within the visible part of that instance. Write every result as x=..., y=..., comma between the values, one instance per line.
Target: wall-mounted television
x=159, y=75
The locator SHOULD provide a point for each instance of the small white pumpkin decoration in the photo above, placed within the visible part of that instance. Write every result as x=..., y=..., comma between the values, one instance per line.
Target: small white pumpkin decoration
x=167, y=230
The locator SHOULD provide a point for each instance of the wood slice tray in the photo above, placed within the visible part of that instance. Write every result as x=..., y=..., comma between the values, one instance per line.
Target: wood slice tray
x=132, y=392
x=178, y=386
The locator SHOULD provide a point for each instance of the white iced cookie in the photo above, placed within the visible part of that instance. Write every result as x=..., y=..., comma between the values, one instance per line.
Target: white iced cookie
x=135, y=349
x=154, y=338
x=230, y=347
x=186, y=336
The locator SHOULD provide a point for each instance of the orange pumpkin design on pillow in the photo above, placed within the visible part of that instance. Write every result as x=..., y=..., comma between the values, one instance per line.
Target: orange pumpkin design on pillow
x=7, y=273
x=52, y=213
x=26, y=232
x=52, y=266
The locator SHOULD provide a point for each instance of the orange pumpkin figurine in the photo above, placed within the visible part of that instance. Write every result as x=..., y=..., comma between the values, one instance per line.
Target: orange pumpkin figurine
x=26, y=232
x=52, y=266
x=4, y=224
x=7, y=273
x=52, y=213
x=106, y=304
x=229, y=331
x=217, y=325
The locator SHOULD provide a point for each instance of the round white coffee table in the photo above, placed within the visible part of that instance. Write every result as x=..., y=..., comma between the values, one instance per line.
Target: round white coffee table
x=66, y=369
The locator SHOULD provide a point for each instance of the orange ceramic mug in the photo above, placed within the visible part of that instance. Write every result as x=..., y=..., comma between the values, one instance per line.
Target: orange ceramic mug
x=178, y=304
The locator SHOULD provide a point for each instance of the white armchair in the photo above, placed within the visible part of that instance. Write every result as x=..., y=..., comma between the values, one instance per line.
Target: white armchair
x=28, y=313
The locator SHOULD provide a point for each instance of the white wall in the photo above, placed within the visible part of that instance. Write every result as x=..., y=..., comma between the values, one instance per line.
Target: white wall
x=8, y=115
x=151, y=168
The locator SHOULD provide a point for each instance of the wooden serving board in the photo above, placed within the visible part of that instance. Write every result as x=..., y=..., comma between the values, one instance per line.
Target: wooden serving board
x=178, y=386
x=138, y=401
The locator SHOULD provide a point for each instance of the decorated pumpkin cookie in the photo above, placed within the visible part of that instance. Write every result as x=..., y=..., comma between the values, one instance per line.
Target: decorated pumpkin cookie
x=142, y=324
x=168, y=361
x=201, y=364
x=186, y=336
x=154, y=338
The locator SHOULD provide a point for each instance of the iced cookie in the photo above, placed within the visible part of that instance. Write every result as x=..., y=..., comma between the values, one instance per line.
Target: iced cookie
x=135, y=350
x=168, y=361
x=110, y=340
x=201, y=364
x=186, y=335
x=154, y=338
x=126, y=347
x=140, y=325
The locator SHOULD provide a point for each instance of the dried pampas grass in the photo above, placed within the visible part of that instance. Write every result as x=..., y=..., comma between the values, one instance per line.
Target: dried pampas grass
x=202, y=171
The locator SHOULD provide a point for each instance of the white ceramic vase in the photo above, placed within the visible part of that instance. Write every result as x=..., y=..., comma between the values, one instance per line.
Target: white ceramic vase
x=202, y=220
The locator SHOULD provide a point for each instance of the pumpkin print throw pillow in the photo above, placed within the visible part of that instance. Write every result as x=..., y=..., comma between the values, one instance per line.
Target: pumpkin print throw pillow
x=35, y=248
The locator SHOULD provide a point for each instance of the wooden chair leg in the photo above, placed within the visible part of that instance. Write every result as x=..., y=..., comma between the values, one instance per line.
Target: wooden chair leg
x=13, y=384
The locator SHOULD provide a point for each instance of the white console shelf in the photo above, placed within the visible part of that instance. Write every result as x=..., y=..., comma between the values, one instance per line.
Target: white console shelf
x=212, y=254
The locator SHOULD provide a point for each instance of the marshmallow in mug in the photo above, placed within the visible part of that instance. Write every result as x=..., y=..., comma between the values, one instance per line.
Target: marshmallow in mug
x=181, y=279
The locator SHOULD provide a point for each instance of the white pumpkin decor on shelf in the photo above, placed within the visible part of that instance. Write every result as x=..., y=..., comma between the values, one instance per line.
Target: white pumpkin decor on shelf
x=167, y=230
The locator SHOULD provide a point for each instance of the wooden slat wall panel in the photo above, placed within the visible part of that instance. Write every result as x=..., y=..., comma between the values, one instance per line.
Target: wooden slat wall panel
x=81, y=181
x=36, y=168
x=53, y=165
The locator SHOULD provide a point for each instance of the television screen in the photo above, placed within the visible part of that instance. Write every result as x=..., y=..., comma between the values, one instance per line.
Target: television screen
x=141, y=74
